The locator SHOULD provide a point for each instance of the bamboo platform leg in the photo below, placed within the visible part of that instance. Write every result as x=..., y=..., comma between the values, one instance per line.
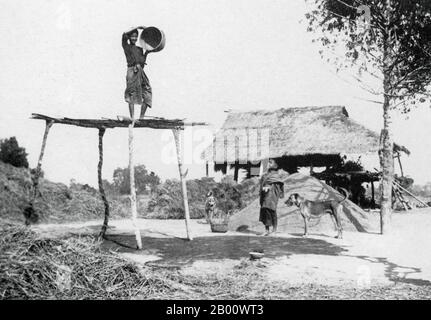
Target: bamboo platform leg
x=48, y=125
x=132, y=189
x=176, y=133
x=29, y=212
x=100, y=181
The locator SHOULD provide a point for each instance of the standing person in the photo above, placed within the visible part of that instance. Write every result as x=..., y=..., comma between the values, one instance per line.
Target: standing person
x=271, y=189
x=138, y=89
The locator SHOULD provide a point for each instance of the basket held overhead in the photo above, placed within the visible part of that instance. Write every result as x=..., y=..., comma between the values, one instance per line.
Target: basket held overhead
x=152, y=39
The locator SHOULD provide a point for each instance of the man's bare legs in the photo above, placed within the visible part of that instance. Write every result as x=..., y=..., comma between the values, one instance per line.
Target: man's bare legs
x=131, y=110
x=143, y=110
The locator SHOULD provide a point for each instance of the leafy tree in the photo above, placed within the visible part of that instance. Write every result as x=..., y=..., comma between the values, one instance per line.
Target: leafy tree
x=386, y=42
x=142, y=179
x=12, y=153
x=110, y=188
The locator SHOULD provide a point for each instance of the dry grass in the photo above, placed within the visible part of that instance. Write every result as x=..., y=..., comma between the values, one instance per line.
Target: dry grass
x=73, y=268
x=76, y=268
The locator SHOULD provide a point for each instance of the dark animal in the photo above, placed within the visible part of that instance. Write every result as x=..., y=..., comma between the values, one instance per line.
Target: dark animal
x=316, y=209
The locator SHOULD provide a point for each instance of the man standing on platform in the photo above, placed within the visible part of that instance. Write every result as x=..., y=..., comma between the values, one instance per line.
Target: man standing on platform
x=271, y=189
x=138, y=89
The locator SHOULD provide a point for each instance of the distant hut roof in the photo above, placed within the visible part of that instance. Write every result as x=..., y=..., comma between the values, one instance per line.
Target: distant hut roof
x=257, y=135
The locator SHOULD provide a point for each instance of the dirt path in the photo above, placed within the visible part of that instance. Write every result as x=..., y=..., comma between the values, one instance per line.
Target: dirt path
x=359, y=260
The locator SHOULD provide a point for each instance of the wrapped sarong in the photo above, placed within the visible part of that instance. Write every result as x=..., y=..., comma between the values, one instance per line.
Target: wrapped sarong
x=268, y=217
x=138, y=89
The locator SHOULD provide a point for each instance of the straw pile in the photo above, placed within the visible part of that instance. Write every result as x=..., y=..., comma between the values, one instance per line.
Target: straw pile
x=73, y=268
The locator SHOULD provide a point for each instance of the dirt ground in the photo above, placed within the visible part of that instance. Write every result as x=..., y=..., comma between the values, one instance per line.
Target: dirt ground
x=358, y=261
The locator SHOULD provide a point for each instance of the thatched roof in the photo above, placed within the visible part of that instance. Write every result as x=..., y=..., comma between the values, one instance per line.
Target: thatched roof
x=265, y=134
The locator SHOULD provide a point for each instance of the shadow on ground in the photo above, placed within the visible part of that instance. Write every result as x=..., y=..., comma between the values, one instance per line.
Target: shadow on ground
x=397, y=273
x=177, y=251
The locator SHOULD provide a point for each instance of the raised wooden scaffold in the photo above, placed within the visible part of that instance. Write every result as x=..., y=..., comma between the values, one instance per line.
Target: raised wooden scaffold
x=102, y=124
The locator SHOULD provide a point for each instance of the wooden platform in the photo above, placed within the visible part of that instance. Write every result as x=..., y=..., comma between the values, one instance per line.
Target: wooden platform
x=154, y=123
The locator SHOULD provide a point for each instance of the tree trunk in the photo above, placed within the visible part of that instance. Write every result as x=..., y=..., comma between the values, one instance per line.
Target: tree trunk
x=386, y=164
x=386, y=144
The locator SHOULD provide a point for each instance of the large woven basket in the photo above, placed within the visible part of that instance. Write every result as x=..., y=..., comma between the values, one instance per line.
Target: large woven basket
x=220, y=227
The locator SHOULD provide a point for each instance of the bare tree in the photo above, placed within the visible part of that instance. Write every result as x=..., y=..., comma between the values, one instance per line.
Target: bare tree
x=384, y=40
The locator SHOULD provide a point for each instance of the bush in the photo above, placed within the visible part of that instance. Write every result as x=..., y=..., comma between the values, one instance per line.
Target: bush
x=144, y=180
x=56, y=203
x=167, y=201
x=12, y=153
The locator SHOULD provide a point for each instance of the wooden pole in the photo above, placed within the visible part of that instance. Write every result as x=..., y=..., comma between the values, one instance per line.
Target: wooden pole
x=29, y=212
x=207, y=169
x=132, y=189
x=235, y=173
x=399, y=163
x=48, y=125
x=400, y=198
x=100, y=181
x=176, y=133
x=373, y=201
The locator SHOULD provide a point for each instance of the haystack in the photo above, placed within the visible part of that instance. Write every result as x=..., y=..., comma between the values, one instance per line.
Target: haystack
x=289, y=219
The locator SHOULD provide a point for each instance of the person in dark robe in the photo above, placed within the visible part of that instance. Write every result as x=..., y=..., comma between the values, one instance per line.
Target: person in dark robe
x=271, y=190
x=138, y=89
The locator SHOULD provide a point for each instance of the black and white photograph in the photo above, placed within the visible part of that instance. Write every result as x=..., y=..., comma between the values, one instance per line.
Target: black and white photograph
x=233, y=151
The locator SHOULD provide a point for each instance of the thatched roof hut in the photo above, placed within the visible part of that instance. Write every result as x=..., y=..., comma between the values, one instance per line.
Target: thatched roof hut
x=313, y=135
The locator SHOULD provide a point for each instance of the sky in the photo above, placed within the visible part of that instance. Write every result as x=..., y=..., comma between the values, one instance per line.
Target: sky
x=64, y=58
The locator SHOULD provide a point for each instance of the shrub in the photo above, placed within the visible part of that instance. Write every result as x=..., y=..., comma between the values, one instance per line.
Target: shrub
x=167, y=201
x=12, y=153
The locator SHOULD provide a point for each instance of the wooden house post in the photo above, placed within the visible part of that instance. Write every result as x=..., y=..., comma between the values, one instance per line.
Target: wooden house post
x=100, y=181
x=176, y=133
x=132, y=188
x=236, y=170
x=373, y=201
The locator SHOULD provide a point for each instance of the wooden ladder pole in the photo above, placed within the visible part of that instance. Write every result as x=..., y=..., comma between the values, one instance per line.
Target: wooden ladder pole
x=176, y=133
x=100, y=181
x=410, y=194
x=398, y=195
x=132, y=189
